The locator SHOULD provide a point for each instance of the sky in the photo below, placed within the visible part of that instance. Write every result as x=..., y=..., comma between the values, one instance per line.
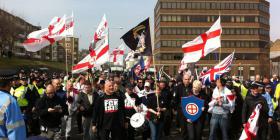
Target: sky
x=88, y=14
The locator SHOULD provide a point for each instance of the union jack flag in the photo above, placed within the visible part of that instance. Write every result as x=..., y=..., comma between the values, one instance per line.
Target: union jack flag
x=215, y=72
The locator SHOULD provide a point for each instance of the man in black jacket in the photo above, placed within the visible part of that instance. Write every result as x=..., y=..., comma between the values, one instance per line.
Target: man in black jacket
x=109, y=114
x=51, y=109
x=86, y=102
x=182, y=90
x=251, y=100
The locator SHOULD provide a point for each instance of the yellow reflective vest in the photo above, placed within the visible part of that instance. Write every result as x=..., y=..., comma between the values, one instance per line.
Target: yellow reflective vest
x=244, y=90
x=41, y=91
x=19, y=93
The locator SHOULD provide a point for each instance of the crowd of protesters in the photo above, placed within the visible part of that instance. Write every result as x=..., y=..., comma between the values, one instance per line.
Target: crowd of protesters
x=53, y=104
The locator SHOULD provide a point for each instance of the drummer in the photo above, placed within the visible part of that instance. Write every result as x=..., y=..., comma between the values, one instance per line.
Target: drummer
x=131, y=106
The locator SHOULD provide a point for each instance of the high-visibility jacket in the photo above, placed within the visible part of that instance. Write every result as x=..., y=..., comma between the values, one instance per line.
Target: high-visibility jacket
x=12, y=125
x=277, y=92
x=244, y=90
x=41, y=91
x=20, y=93
x=275, y=104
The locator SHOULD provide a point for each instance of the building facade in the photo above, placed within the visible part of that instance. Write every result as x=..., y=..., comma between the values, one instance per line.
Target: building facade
x=245, y=26
x=71, y=45
x=275, y=57
x=13, y=31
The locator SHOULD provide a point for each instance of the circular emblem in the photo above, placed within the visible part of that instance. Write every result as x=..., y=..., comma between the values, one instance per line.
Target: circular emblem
x=192, y=109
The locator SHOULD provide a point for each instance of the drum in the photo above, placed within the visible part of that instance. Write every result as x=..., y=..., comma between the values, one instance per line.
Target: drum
x=137, y=120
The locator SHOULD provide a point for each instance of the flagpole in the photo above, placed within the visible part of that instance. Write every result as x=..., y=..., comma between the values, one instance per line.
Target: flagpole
x=220, y=53
x=154, y=61
x=73, y=43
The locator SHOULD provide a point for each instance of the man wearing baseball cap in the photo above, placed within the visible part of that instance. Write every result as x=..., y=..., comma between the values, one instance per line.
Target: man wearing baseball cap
x=254, y=98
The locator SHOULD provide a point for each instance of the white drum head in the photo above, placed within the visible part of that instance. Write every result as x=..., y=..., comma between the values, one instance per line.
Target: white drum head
x=137, y=120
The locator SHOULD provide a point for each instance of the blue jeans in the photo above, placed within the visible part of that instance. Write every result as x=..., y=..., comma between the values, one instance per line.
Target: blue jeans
x=156, y=130
x=219, y=121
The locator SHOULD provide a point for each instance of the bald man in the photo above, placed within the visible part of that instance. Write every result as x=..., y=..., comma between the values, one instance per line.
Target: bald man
x=183, y=90
x=108, y=116
x=51, y=109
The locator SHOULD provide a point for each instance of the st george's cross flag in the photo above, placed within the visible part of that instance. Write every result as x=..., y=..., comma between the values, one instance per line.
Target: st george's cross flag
x=117, y=55
x=100, y=33
x=251, y=127
x=57, y=29
x=218, y=70
x=203, y=44
x=83, y=65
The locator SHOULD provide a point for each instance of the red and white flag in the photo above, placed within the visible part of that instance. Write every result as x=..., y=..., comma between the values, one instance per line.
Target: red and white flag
x=203, y=44
x=251, y=127
x=101, y=52
x=99, y=49
x=83, y=65
x=58, y=29
x=117, y=55
x=101, y=32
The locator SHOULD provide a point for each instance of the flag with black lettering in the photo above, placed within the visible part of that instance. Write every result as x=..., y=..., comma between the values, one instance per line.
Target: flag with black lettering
x=138, y=38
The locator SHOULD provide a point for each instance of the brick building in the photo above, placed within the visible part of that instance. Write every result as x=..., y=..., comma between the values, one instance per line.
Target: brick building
x=245, y=25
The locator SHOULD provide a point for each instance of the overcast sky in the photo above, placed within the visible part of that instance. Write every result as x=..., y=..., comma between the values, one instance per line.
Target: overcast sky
x=88, y=14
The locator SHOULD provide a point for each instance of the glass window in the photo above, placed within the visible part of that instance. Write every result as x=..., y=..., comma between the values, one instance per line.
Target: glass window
x=178, y=5
x=256, y=6
x=247, y=44
x=169, y=18
x=256, y=19
x=207, y=5
x=238, y=31
x=189, y=5
x=164, y=43
x=178, y=44
x=179, y=19
x=232, y=31
x=213, y=5
x=251, y=5
x=202, y=4
x=237, y=19
x=174, y=18
x=173, y=5
x=168, y=31
x=227, y=5
x=223, y=5
x=193, y=5
x=169, y=43
x=173, y=43
x=169, y=5
x=237, y=43
x=247, y=6
x=183, y=31
x=174, y=31
x=183, y=5
x=237, y=6
x=218, y=5
x=231, y=5
x=242, y=6
x=189, y=31
x=198, y=5
x=252, y=71
x=164, y=5
x=242, y=19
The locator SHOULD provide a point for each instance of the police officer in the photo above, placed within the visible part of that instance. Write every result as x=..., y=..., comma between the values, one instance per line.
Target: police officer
x=11, y=121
